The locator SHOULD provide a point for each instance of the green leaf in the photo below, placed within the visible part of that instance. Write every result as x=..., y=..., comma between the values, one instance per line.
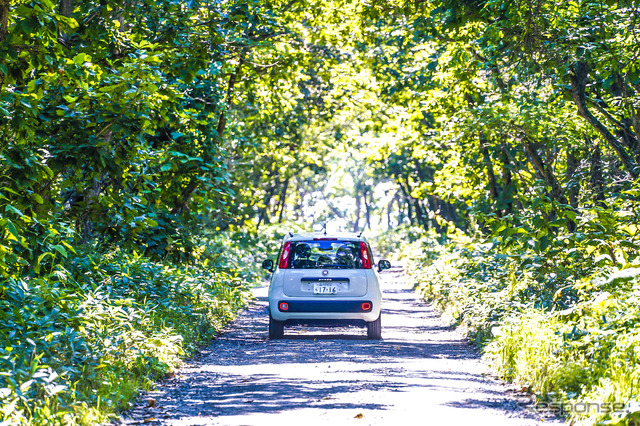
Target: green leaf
x=60, y=249
x=558, y=223
x=81, y=58
x=13, y=230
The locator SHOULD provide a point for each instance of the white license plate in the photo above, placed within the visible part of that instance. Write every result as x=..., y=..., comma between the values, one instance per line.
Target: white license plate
x=325, y=289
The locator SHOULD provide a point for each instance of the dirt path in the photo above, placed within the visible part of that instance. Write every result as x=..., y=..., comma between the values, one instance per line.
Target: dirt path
x=422, y=372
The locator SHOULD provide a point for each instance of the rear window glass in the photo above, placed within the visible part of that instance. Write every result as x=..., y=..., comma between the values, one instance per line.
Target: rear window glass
x=325, y=255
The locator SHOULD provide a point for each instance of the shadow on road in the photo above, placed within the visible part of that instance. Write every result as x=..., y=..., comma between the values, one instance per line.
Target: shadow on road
x=332, y=372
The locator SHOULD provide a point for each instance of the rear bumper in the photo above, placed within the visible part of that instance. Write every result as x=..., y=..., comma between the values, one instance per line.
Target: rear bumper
x=324, y=311
x=327, y=322
x=317, y=306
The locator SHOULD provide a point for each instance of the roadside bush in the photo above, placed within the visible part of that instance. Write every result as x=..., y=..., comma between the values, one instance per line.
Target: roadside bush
x=390, y=243
x=78, y=342
x=524, y=348
x=560, y=319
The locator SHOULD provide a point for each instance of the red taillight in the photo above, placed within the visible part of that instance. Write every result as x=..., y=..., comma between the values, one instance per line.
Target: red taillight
x=284, y=306
x=284, y=259
x=366, y=306
x=364, y=255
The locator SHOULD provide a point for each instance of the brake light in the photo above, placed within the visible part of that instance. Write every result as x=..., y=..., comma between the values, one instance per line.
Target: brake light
x=364, y=255
x=284, y=306
x=284, y=259
x=366, y=306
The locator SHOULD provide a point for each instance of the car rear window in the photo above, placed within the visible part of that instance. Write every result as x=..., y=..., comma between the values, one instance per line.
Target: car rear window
x=327, y=254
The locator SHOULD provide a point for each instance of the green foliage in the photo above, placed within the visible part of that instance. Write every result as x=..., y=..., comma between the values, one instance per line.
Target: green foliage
x=82, y=340
x=483, y=99
x=391, y=242
x=585, y=354
x=113, y=115
x=118, y=253
x=555, y=311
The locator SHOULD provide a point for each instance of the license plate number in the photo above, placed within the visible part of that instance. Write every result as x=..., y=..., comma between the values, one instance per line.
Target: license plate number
x=325, y=289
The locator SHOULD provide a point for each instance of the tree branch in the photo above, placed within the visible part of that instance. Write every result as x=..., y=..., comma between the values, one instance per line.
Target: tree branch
x=578, y=76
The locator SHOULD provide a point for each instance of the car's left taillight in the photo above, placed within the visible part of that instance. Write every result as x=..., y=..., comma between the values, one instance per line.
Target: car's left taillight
x=365, y=255
x=284, y=258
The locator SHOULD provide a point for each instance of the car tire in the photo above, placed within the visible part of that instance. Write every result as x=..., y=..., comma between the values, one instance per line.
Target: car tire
x=276, y=328
x=374, y=329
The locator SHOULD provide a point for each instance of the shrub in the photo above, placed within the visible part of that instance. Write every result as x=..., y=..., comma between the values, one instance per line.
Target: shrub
x=79, y=342
x=561, y=323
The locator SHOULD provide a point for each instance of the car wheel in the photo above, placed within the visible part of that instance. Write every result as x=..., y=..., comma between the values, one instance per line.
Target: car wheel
x=276, y=328
x=374, y=329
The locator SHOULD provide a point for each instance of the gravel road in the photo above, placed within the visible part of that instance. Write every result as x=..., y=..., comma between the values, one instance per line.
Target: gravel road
x=422, y=372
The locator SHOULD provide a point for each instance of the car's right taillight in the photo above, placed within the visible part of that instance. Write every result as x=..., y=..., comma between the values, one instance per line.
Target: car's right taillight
x=284, y=259
x=364, y=255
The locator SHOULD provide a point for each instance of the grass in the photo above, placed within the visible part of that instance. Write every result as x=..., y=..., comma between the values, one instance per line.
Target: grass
x=78, y=343
x=565, y=329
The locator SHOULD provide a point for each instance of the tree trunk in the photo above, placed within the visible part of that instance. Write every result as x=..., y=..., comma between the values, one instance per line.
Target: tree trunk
x=444, y=209
x=222, y=120
x=407, y=200
x=493, y=186
x=389, y=210
x=264, y=216
x=421, y=214
x=397, y=198
x=4, y=19
x=414, y=206
x=436, y=207
x=65, y=9
x=356, y=224
x=546, y=172
x=574, y=186
x=630, y=127
x=222, y=123
x=595, y=179
x=367, y=209
x=185, y=196
x=578, y=76
x=509, y=191
x=4, y=27
x=120, y=16
x=283, y=200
